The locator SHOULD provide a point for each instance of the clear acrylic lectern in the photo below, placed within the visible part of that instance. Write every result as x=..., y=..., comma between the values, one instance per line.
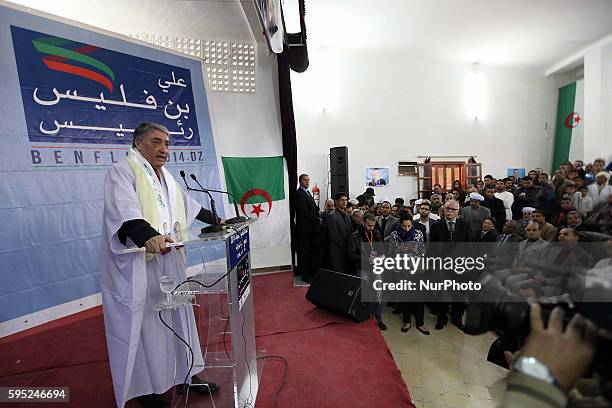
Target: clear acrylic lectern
x=220, y=294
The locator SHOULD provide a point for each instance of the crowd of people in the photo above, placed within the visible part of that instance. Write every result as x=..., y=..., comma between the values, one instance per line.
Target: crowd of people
x=534, y=218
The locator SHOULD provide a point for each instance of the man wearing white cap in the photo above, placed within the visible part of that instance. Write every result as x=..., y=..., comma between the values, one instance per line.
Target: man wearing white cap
x=522, y=223
x=474, y=214
x=600, y=190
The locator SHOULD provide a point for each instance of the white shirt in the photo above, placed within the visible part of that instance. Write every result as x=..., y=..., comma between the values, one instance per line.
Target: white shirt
x=599, y=196
x=508, y=199
x=432, y=217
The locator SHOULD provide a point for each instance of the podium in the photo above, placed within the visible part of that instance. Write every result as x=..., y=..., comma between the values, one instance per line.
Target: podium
x=220, y=295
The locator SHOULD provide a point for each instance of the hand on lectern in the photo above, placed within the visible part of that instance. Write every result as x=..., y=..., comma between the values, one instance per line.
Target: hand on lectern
x=157, y=244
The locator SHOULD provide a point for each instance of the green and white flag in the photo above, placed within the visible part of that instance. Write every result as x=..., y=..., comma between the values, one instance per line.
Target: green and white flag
x=258, y=185
x=569, y=135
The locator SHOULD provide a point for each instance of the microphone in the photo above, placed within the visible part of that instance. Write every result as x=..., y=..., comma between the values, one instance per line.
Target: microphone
x=235, y=220
x=216, y=227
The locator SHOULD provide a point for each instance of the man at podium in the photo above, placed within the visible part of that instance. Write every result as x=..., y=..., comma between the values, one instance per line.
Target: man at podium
x=142, y=205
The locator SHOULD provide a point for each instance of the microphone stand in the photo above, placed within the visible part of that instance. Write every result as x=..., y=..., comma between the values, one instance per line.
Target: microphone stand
x=235, y=220
x=216, y=227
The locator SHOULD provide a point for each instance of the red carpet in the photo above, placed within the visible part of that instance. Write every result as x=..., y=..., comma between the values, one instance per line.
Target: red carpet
x=281, y=307
x=340, y=365
x=330, y=365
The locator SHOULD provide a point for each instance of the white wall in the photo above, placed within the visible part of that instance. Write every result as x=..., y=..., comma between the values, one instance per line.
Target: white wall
x=606, y=137
x=389, y=107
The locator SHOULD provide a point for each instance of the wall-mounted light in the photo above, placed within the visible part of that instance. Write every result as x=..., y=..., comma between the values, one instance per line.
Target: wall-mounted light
x=475, y=93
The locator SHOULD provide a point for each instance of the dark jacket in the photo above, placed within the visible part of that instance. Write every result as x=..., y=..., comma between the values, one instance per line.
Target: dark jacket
x=438, y=231
x=530, y=199
x=356, y=240
x=504, y=250
x=307, y=218
x=498, y=211
x=364, y=198
x=489, y=236
x=390, y=225
x=340, y=229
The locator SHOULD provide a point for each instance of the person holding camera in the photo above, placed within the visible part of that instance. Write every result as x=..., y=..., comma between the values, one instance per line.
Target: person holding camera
x=551, y=361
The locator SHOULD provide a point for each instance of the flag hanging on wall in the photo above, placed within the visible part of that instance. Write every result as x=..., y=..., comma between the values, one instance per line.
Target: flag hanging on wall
x=258, y=187
x=569, y=138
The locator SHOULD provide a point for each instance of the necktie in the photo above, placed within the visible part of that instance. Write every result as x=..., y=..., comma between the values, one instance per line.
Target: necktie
x=500, y=244
x=451, y=231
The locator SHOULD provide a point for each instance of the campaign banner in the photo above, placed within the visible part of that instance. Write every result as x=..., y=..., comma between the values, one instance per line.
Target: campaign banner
x=75, y=92
x=72, y=99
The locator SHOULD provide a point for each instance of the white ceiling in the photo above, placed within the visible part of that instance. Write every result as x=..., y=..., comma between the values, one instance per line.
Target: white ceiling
x=531, y=33
x=208, y=19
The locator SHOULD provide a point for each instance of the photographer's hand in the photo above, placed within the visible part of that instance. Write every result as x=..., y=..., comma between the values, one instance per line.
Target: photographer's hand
x=566, y=353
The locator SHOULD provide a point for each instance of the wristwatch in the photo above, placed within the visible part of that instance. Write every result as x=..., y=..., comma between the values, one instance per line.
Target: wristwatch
x=536, y=369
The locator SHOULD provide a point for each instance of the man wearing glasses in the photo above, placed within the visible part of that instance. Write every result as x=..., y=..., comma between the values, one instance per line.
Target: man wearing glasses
x=449, y=229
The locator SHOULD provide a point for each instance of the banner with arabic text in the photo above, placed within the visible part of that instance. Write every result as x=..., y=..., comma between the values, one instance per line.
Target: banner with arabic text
x=71, y=100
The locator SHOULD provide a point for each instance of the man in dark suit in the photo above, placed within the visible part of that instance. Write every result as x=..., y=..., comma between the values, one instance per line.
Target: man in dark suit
x=385, y=222
x=505, y=247
x=449, y=229
x=340, y=229
x=307, y=221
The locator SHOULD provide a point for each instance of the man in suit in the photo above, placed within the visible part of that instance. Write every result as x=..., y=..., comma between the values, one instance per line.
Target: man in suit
x=449, y=229
x=505, y=247
x=307, y=221
x=534, y=248
x=386, y=223
x=340, y=229
x=568, y=259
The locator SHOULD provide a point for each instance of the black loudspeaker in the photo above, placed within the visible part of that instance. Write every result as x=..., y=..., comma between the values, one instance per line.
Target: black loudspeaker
x=339, y=293
x=339, y=184
x=338, y=165
x=338, y=160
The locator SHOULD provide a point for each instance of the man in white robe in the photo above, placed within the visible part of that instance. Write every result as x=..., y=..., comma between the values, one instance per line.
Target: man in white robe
x=142, y=205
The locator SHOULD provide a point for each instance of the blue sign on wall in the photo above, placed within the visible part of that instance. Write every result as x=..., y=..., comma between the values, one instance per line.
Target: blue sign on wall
x=78, y=93
x=71, y=98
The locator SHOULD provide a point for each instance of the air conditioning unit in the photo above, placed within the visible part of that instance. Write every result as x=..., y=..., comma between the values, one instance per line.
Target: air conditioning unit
x=406, y=168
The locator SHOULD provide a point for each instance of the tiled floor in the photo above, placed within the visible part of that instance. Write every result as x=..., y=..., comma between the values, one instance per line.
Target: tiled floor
x=447, y=368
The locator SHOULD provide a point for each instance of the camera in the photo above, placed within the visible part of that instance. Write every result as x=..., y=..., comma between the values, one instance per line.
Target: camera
x=508, y=315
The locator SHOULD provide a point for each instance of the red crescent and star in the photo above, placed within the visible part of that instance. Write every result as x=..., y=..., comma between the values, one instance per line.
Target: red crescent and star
x=572, y=120
x=257, y=210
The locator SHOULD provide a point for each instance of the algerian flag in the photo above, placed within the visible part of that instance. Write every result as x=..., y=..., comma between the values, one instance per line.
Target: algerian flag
x=569, y=136
x=258, y=185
